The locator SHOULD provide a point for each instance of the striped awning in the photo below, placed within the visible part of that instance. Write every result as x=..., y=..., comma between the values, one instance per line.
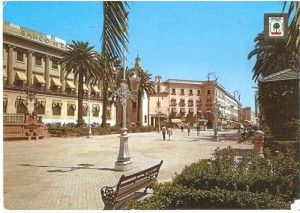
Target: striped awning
x=39, y=79
x=70, y=84
x=56, y=82
x=21, y=76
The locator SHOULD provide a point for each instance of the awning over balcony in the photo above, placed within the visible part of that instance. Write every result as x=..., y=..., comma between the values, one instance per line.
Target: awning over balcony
x=199, y=111
x=41, y=102
x=56, y=103
x=4, y=74
x=56, y=82
x=39, y=79
x=85, y=88
x=191, y=110
x=70, y=84
x=95, y=89
x=176, y=121
x=182, y=110
x=21, y=76
x=72, y=104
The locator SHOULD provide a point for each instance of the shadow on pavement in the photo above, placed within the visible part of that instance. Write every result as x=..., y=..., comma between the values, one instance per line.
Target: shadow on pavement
x=69, y=168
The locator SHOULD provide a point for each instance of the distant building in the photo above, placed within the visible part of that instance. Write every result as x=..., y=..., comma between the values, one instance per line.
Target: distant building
x=248, y=117
x=189, y=101
x=33, y=79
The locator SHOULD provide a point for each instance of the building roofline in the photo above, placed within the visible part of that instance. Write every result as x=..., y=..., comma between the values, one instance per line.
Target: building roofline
x=280, y=77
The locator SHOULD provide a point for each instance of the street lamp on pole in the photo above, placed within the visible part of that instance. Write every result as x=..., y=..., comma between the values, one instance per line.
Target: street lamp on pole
x=123, y=162
x=239, y=114
x=158, y=114
x=217, y=113
x=89, y=108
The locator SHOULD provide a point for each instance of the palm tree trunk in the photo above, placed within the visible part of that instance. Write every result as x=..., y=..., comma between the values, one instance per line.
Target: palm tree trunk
x=104, y=110
x=80, y=99
x=140, y=109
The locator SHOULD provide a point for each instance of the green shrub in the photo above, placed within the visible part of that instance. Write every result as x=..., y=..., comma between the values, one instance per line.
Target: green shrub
x=170, y=196
x=222, y=183
x=276, y=175
x=282, y=146
x=62, y=131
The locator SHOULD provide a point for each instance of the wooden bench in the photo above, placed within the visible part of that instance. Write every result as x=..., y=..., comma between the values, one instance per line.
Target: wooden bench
x=128, y=185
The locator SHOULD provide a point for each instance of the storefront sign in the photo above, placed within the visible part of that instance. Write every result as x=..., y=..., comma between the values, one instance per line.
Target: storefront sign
x=42, y=39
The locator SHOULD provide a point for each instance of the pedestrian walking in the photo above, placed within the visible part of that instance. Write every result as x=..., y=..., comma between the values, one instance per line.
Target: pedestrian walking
x=189, y=130
x=198, y=130
x=164, y=130
x=181, y=127
x=169, y=132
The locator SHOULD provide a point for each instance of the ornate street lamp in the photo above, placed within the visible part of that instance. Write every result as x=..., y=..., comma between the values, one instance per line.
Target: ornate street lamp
x=123, y=162
x=158, y=114
x=217, y=113
x=239, y=116
x=213, y=74
x=89, y=108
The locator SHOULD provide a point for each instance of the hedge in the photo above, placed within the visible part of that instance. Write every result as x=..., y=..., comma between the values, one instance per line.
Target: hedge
x=79, y=131
x=170, y=196
x=278, y=175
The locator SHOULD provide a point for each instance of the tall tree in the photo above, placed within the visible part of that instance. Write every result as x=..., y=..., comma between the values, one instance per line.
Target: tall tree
x=83, y=61
x=114, y=41
x=272, y=57
x=294, y=16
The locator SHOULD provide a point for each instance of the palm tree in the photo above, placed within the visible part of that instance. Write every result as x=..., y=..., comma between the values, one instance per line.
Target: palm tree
x=272, y=57
x=114, y=39
x=294, y=11
x=83, y=61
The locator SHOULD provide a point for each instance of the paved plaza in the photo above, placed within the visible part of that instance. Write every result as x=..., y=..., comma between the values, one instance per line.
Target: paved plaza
x=67, y=173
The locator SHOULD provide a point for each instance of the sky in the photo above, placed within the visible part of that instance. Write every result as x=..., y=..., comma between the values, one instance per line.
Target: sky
x=174, y=39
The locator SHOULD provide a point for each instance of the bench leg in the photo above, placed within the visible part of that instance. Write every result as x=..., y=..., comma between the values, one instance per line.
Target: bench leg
x=109, y=206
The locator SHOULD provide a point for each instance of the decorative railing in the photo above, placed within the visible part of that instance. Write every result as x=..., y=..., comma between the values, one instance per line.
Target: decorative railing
x=13, y=118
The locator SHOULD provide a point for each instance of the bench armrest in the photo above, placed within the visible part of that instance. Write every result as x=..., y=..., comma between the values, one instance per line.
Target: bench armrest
x=108, y=194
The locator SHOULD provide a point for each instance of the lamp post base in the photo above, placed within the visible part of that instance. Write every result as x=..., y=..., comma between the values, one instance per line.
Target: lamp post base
x=123, y=162
x=123, y=166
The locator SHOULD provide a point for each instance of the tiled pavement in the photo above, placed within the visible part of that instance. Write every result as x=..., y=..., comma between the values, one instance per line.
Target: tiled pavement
x=67, y=173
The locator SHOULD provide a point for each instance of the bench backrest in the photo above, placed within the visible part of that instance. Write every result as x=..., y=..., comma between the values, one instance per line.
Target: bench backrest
x=131, y=183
